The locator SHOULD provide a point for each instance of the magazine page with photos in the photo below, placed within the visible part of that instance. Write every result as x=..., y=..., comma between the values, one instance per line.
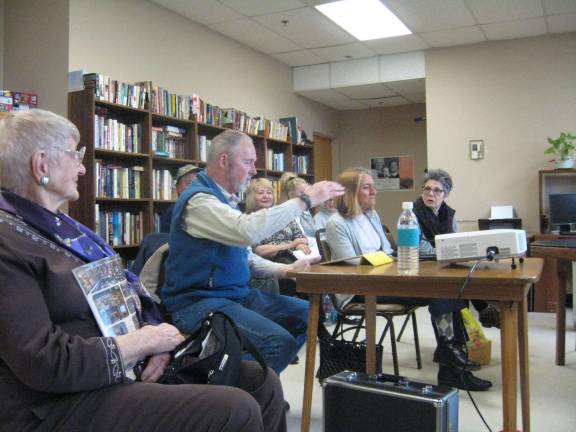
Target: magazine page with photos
x=113, y=302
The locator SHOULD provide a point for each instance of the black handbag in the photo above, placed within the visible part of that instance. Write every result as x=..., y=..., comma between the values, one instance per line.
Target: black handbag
x=212, y=354
x=337, y=355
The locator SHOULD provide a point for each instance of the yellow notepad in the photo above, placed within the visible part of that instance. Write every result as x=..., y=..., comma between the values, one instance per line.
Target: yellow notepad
x=376, y=259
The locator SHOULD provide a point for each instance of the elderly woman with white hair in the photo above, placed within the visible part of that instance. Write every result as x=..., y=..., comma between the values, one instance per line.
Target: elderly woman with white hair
x=58, y=370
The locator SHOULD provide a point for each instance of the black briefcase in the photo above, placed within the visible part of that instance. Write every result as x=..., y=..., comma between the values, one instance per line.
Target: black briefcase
x=369, y=403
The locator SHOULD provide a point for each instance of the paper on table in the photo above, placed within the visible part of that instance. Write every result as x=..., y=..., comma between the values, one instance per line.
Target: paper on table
x=502, y=212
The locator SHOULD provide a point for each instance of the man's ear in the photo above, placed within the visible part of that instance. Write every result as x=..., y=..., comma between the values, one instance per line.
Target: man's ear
x=39, y=165
x=224, y=160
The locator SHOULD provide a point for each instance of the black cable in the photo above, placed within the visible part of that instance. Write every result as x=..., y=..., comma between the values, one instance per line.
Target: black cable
x=489, y=257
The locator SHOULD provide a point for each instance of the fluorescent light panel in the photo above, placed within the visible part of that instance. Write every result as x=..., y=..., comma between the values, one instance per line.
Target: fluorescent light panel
x=364, y=19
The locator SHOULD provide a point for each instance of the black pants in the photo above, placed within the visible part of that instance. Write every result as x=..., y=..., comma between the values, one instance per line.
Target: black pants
x=155, y=407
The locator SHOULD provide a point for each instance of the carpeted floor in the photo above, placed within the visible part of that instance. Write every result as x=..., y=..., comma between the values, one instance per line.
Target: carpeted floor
x=553, y=388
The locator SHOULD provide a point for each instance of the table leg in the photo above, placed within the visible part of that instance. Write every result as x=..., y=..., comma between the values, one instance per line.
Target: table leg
x=370, y=320
x=524, y=364
x=313, y=315
x=561, y=317
x=509, y=349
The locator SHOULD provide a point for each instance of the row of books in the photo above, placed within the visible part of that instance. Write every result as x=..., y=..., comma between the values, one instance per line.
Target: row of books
x=107, y=89
x=301, y=164
x=113, y=134
x=203, y=147
x=162, y=180
x=274, y=161
x=115, y=181
x=120, y=227
x=146, y=94
x=11, y=101
x=168, y=141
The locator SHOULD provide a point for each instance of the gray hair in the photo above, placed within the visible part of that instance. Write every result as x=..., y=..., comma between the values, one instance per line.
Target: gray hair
x=440, y=176
x=226, y=142
x=24, y=133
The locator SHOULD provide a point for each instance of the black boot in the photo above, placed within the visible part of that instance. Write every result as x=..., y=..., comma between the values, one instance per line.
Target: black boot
x=449, y=353
x=464, y=380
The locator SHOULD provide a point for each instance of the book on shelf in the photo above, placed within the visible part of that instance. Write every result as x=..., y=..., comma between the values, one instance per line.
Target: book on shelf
x=163, y=182
x=11, y=101
x=118, y=92
x=168, y=141
x=113, y=134
x=292, y=124
x=117, y=181
x=301, y=164
x=203, y=147
x=119, y=227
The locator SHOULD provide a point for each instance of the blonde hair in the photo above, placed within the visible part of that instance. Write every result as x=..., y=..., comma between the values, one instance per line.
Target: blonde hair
x=347, y=204
x=288, y=183
x=24, y=133
x=255, y=184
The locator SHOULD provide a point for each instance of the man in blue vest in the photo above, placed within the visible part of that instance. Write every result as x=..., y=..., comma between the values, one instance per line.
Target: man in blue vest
x=210, y=264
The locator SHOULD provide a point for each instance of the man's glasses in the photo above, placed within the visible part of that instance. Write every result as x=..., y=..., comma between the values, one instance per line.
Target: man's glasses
x=78, y=154
x=435, y=191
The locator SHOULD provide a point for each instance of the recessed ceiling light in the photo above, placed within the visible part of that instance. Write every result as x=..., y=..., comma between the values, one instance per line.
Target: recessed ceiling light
x=364, y=19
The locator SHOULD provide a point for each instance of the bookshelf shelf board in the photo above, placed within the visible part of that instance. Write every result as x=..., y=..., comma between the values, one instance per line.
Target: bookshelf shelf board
x=302, y=147
x=130, y=246
x=164, y=201
x=120, y=107
x=119, y=154
x=168, y=120
x=171, y=161
x=205, y=126
x=121, y=200
x=275, y=141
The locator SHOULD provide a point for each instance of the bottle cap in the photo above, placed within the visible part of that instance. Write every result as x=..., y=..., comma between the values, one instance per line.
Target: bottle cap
x=407, y=205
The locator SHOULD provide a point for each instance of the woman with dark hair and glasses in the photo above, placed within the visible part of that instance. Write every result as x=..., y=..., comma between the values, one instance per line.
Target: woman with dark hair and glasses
x=436, y=217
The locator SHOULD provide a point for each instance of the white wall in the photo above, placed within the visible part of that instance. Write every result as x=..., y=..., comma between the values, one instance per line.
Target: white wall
x=511, y=94
x=1, y=44
x=36, y=50
x=135, y=40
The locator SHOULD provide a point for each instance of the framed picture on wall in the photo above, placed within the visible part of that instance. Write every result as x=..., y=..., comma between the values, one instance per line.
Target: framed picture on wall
x=393, y=173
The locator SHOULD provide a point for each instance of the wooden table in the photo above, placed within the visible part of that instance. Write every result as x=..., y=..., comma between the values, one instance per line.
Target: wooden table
x=494, y=281
x=559, y=249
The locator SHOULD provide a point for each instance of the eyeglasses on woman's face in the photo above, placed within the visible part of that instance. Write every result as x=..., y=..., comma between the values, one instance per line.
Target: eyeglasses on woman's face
x=432, y=190
x=77, y=154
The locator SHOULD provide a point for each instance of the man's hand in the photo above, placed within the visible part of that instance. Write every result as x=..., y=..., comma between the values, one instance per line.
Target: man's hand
x=155, y=367
x=323, y=191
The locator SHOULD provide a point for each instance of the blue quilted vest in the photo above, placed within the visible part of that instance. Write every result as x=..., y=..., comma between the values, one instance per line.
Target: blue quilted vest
x=200, y=268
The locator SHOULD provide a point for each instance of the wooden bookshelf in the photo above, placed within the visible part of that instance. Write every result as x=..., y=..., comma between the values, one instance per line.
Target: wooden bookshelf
x=82, y=108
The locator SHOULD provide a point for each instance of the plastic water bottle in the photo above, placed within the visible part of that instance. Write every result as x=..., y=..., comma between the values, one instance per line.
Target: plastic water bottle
x=408, y=240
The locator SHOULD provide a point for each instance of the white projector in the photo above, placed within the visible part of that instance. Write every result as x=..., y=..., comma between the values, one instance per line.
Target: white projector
x=474, y=245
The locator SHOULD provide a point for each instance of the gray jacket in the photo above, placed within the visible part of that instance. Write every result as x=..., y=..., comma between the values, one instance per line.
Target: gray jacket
x=342, y=238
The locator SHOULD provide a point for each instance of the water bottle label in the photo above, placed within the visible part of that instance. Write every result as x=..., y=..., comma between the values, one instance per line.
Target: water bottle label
x=408, y=237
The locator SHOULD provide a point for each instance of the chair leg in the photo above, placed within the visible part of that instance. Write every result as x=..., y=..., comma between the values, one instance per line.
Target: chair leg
x=416, y=340
x=384, y=332
x=403, y=327
x=393, y=342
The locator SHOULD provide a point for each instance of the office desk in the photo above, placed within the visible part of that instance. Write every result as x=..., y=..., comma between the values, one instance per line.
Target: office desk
x=494, y=281
x=559, y=249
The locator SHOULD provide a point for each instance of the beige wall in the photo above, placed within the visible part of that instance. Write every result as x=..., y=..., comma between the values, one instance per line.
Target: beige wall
x=36, y=50
x=511, y=94
x=136, y=40
x=384, y=132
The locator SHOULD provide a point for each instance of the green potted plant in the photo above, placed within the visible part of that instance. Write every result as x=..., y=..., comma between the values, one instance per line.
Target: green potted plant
x=562, y=148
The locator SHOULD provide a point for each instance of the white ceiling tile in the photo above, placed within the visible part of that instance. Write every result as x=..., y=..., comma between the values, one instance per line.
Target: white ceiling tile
x=307, y=28
x=387, y=102
x=430, y=15
x=415, y=97
x=408, y=86
x=553, y=7
x=366, y=91
x=311, y=77
x=343, y=52
x=299, y=58
x=317, y=2
x=259, y=7
x=254, y=35
x=345, y=105
x=490, y=11
x=515, y=29
x=332, y=98
x=203, y=11
x=461, y=36
x=397, y=44
x=396, y=67
x=561, y=23
x=354, y=72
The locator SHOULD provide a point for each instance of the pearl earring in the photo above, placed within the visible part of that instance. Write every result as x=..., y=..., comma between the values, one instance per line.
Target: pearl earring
x=44, y=180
